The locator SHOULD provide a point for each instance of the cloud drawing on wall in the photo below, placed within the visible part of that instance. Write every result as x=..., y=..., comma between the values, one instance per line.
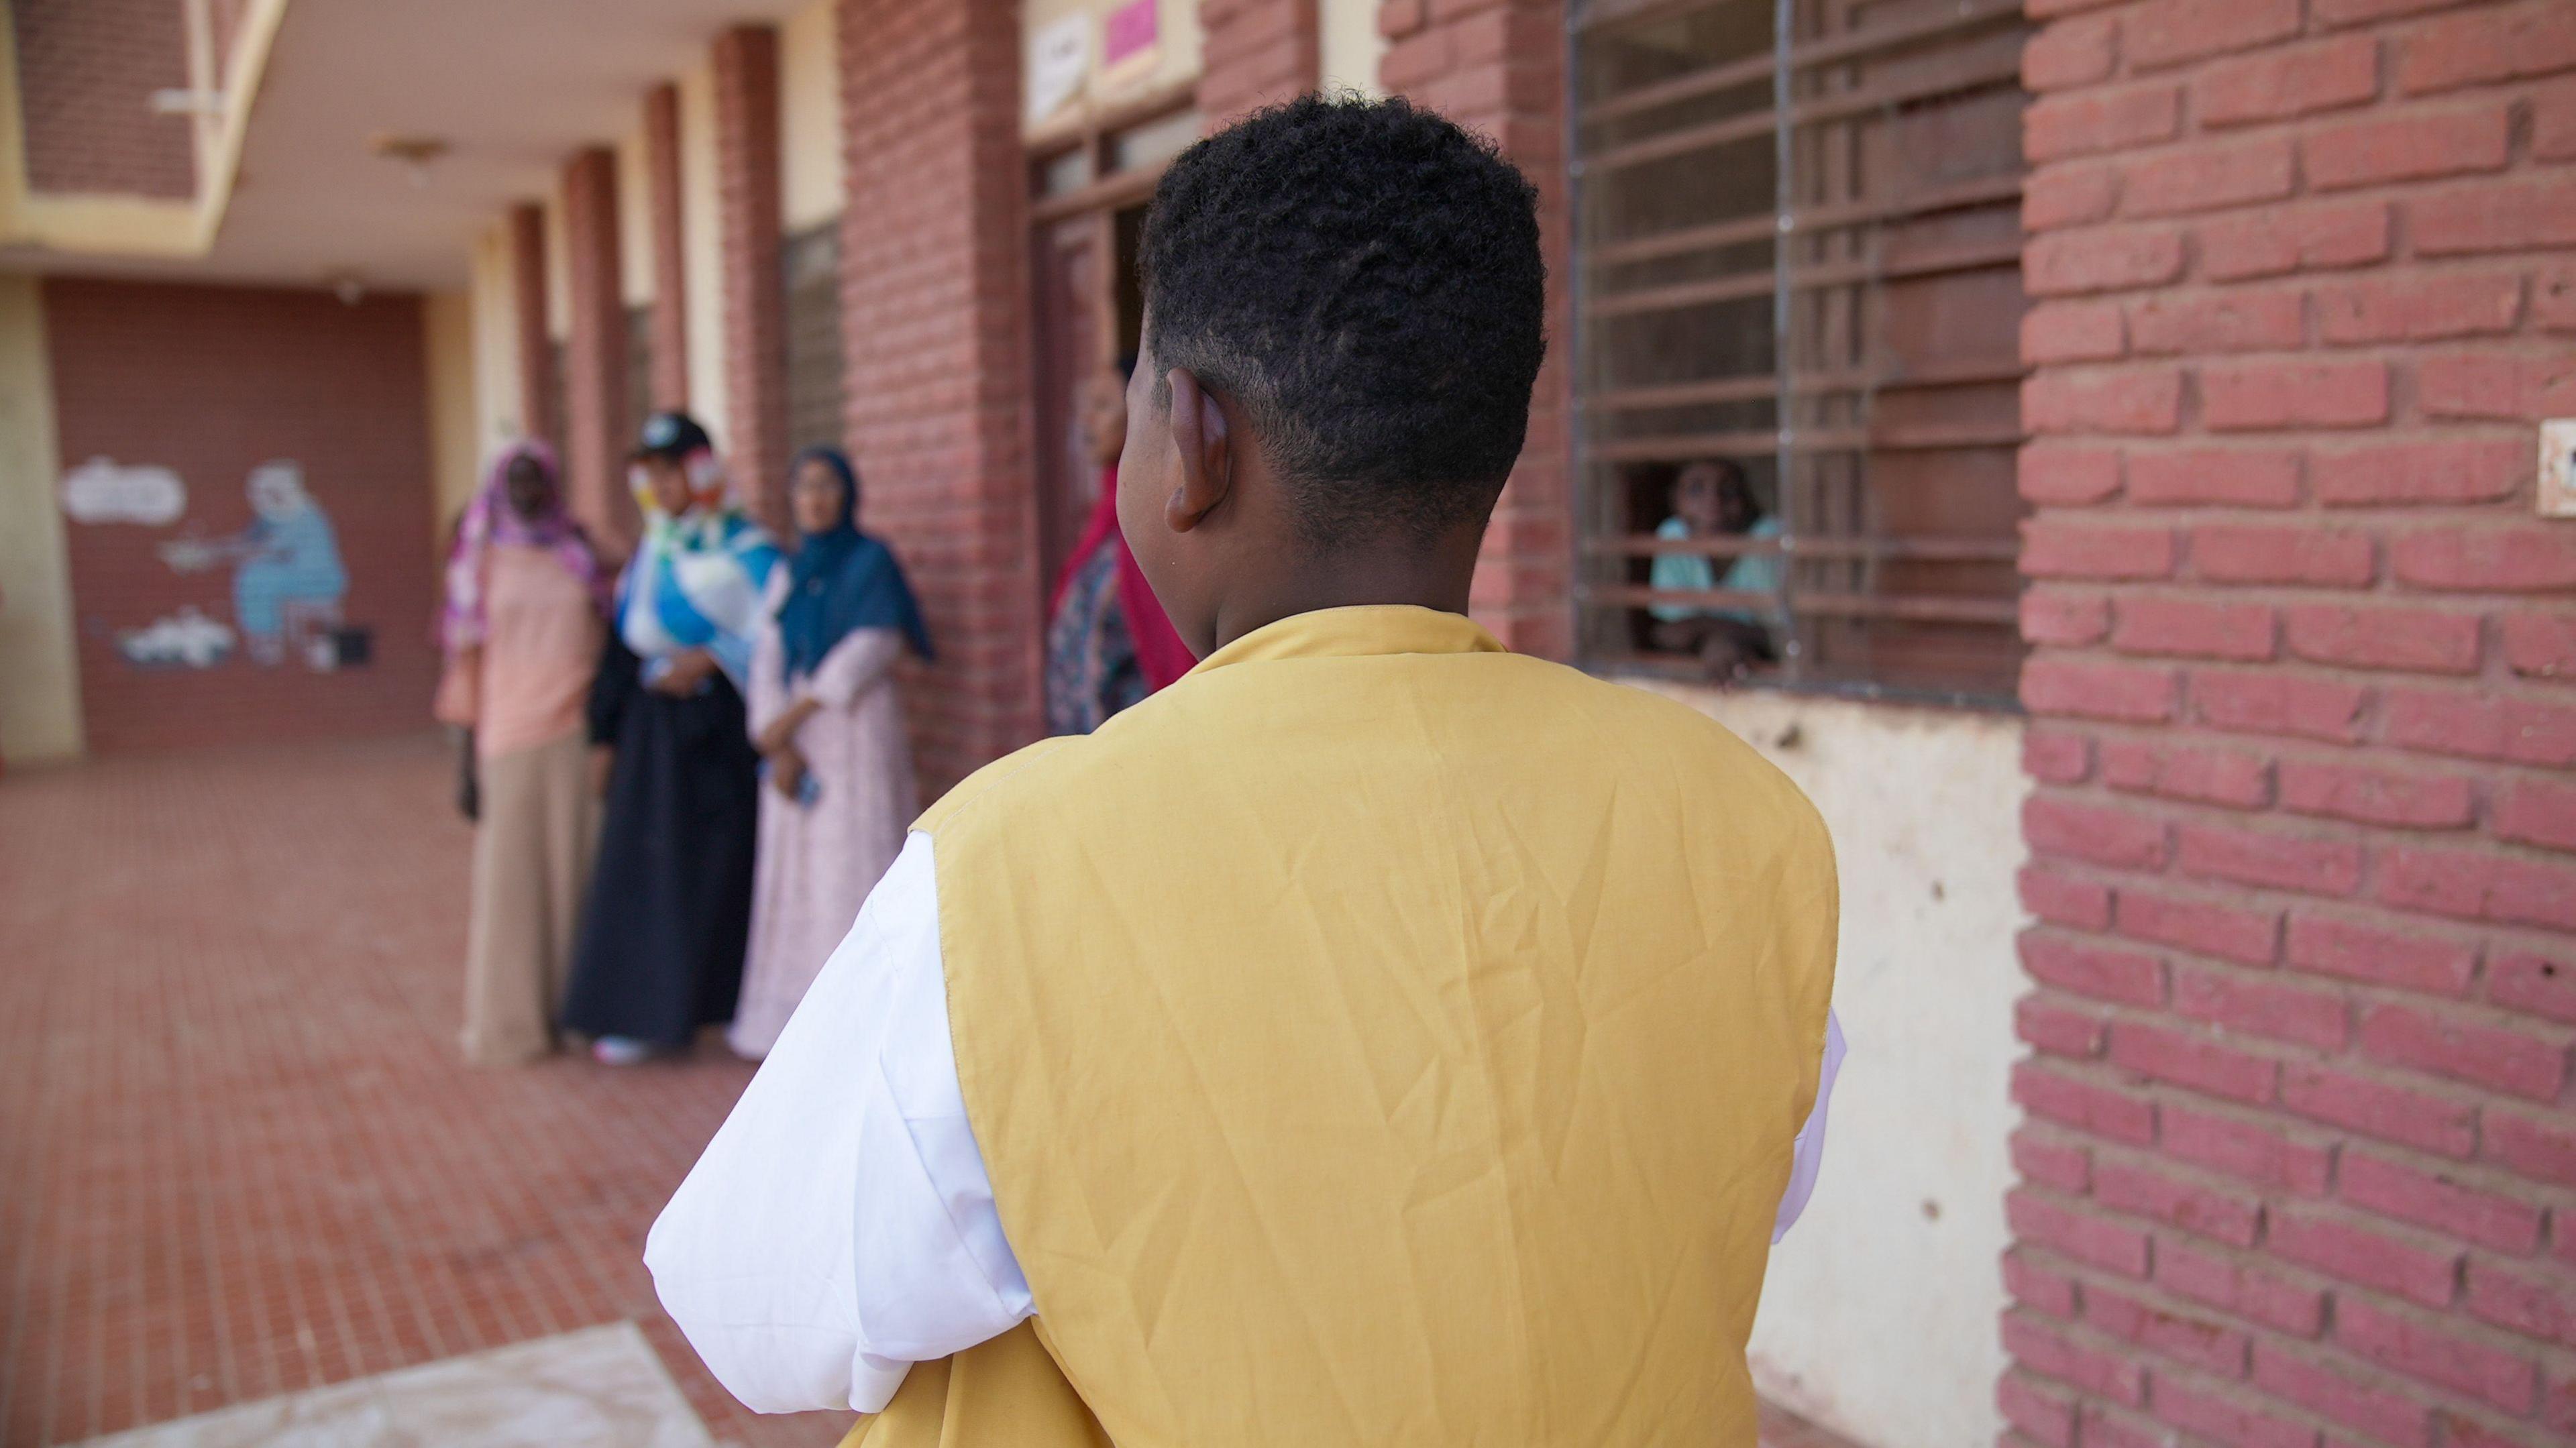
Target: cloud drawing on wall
x=105, y=491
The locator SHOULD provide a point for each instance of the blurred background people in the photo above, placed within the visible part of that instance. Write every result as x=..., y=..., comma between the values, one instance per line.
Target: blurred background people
x=828, y=720
x=662, y=936
x=1108, y=642
x=521, y=630
x=1711, y=499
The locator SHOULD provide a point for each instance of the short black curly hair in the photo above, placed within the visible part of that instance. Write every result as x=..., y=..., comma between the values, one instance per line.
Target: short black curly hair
x=1363, y=279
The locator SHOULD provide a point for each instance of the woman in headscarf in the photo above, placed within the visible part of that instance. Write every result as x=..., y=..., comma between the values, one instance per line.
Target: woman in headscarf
x=828, y=721
x=522, y=628
x=662, y=936
x=1108, y=643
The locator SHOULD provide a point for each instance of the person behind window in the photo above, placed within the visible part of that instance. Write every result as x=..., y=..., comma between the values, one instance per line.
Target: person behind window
x=662, y=935
x=829, y=724
x=1711, y=499
x=522, y=630
x=1108, y=641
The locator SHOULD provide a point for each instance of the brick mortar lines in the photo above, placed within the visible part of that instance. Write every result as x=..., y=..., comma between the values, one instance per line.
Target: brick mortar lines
x=2211, y=326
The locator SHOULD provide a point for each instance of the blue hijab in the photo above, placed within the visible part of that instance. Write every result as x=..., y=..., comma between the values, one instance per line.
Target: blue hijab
x=841, y=579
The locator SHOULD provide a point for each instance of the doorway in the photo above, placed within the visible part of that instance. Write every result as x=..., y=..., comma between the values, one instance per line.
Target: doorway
x=1088, y=195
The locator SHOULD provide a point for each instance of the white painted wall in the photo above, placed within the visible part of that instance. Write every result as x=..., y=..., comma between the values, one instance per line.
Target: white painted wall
x=1879, y=1316
x=455, y=447
x=634, y=222
x=40, y=715
x=702, y=249
x=810, y=182
x=1351, y=45
x=494, y=292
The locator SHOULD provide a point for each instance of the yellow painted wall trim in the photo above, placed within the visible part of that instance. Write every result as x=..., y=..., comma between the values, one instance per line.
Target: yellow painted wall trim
x=116, y=225
x=40, y=714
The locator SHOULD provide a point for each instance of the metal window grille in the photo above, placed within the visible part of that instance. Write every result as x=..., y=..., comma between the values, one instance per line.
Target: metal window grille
x=813, y=274
x=639, y=365
x=1798, y=249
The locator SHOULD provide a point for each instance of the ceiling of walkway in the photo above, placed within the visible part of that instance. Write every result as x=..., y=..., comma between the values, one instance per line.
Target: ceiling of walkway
x=512, y=86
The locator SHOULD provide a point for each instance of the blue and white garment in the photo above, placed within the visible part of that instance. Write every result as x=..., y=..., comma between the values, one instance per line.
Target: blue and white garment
x=696, y=584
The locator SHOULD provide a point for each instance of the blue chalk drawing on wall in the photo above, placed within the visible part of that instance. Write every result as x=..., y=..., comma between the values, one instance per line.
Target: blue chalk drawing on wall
x=288, y=580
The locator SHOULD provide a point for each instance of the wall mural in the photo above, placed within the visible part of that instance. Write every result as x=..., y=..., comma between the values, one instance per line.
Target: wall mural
x=288, y=581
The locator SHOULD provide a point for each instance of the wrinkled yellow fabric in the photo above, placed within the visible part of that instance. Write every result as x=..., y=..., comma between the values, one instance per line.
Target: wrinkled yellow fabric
x=1380, y=1038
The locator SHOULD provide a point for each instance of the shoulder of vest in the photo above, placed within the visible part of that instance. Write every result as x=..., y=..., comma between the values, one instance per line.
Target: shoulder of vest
x=994, y=778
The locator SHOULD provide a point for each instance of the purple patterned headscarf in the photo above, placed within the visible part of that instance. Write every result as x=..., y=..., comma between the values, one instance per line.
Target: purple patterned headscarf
x=490, y=519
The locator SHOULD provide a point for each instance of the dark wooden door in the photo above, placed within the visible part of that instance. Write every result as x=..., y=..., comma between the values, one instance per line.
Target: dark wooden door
x=1066, y=310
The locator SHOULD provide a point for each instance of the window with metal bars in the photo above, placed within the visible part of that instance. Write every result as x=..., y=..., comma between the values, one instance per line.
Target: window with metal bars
x=812, y=271
x=639, y=365
x=1798, y=248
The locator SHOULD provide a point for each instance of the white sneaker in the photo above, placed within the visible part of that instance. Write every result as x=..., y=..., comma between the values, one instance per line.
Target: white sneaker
x=622, y=1051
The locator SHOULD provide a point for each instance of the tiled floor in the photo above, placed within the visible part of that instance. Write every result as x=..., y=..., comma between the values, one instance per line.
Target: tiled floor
x=238, y=1157
x=598, y=1387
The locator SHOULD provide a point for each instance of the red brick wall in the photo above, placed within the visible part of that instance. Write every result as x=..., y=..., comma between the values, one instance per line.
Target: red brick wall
x=2300, y=1165
x=670, y=269
x=211, y=382
x=745, y=62
x=86, y=73
x=934, y=316
x=1498, y=66
x=1254, y=53
x=597, y=432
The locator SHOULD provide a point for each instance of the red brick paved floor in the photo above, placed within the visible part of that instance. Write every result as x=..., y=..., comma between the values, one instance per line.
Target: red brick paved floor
x=238, y=1155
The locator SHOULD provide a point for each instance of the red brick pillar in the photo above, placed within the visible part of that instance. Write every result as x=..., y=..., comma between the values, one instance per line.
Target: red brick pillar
x=1256, y=52
x=2300, y=1165
x=755, y=311
x=540, y=411
x=596, y=430
x=670, y=271
x=1498, y=66
x=934, y=316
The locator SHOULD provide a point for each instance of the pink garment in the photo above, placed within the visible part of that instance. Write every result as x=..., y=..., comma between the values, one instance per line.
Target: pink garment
x=528, y=682
x=1160, y=654
x=817, y=863
x=489, y=521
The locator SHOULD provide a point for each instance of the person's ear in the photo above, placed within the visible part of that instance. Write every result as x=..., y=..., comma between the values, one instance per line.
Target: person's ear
x=1207, y=453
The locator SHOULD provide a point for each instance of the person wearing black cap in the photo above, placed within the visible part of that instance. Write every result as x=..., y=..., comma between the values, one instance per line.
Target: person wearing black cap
x=662, y=933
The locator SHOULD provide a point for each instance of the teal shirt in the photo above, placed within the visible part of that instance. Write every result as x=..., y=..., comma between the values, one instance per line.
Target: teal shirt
x=1752, y=573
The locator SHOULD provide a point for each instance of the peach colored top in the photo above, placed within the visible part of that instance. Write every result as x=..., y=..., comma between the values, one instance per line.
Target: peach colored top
x=540, y=647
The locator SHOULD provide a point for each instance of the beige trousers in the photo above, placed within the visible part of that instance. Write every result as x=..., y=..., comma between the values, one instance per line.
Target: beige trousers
x=532, y=855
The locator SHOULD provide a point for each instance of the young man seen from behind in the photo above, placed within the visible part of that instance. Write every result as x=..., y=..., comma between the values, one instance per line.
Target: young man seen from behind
x=1375, y=1037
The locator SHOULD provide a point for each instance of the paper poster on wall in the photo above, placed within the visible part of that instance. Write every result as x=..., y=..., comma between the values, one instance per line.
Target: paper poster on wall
x=1128, y=43
x=2558, y=468
x=1059, y=57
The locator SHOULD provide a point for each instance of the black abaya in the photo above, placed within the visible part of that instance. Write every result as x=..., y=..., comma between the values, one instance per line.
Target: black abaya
x=663, y=931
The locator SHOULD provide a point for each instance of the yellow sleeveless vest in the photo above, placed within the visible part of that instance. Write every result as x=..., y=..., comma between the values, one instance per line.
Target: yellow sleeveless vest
x=1379, y=1038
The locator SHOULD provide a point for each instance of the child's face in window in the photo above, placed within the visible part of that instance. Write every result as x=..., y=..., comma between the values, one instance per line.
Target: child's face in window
x=1697, y=499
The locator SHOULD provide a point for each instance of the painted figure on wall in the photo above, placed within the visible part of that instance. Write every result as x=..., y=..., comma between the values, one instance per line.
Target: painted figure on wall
x=288, y=579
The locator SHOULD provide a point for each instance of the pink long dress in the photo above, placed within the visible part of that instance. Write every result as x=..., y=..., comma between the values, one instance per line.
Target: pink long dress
x=817, y=862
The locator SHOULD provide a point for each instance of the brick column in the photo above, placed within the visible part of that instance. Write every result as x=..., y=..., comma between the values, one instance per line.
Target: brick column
x=670, y=273
x=755, y=330
x=1498, y=66
x=596, y=430
x=540, y=411
x=2299, y=1165
x=934, y=319
x=1256, y=52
